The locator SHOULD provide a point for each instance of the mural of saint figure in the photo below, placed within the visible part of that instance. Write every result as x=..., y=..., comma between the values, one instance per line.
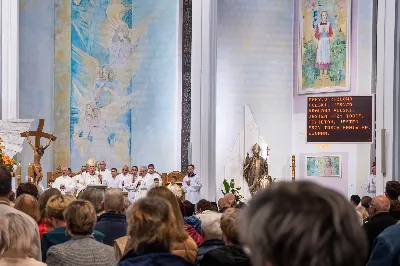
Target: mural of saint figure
x=323, y=33
x=121, y=47
x=104, y=90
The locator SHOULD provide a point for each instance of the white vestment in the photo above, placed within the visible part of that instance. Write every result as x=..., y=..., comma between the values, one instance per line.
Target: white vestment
x=91, y=179
x=79, y=182
x=154, y=175
x=176, y=190
x=370, y=185
x=105, y=176
x=113, y=182
x=192, y=191
x=138, y=190
x=133, y=189
x=126, y=180
x=67, y=182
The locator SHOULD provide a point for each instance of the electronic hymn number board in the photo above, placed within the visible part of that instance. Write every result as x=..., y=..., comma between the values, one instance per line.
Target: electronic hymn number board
x=342, y=119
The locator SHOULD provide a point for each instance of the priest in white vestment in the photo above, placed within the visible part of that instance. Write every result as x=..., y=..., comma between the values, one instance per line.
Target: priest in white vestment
x=370, y=183
x=125, y=177
x=64, y=183
x=192, y=185
x=131, y=188
x=152, y=174
x=114, y=180
x=104, y=173
x=139, y=187
x=175, y=188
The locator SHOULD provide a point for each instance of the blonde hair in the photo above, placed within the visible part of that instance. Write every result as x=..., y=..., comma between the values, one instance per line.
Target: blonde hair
x=28, y=204
x=80, y=217
x=150, y=221
x=166, y=194
x=56, y=206
x=17, y=236
x=229, y=225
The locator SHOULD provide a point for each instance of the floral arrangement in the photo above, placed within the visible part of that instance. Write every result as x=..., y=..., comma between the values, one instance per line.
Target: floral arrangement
x=6, y=160
x=229, y=187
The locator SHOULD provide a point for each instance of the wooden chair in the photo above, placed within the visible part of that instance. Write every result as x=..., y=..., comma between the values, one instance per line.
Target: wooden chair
x=179, y=178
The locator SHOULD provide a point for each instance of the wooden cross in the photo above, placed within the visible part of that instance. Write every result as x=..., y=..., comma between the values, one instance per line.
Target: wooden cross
x=38, y=134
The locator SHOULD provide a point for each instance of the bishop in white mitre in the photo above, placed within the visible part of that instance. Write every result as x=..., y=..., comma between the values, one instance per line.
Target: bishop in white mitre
x=91, y=177
x=64, y=183
x=192, y=185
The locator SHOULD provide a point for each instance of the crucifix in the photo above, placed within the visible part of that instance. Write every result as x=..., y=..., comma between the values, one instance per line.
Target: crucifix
x=37, y=148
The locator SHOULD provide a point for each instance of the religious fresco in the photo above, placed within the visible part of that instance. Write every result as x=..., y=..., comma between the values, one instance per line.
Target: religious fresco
x=324, y=46
x=116, y=82
x=323, y=166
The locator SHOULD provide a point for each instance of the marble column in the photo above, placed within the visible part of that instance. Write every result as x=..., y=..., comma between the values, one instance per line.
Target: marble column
x=9, y=59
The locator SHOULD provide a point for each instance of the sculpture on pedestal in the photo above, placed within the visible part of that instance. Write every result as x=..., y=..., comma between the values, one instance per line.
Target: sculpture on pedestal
x=255, y=170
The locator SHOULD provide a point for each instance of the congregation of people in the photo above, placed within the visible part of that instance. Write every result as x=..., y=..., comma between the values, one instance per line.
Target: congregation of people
x=286, y=224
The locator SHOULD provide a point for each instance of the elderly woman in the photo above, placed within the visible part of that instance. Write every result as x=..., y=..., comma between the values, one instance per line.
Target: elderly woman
x=152, y=228
x=17, y=242
x=82, y=249
x=212, y=233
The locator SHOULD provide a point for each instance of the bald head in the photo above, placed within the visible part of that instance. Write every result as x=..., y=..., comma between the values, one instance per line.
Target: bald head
x=223, y=203
x=231, y=198
x=381, y=204
x=114, y=200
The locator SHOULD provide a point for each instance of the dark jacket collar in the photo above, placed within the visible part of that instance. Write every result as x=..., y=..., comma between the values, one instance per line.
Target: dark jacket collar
x=144, y=249
x=111, y=216
x=380, y=214
x=212, y=242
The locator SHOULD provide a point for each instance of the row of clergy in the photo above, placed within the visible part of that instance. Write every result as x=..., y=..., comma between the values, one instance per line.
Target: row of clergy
x=136, y=185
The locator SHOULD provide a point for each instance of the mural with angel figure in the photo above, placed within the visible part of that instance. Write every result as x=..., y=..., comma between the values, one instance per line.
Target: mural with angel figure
x=103, y=44
x=324, y=64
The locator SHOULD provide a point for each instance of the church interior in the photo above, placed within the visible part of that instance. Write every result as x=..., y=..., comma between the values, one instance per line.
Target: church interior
x=140, y=82
x=232, y=106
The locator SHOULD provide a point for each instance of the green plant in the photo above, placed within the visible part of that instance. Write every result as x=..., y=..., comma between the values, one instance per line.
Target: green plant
x=229, y=187
x=310, y=72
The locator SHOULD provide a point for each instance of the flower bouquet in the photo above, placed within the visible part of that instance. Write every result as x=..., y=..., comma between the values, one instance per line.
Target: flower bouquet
x=6, y=160
x=229, y=187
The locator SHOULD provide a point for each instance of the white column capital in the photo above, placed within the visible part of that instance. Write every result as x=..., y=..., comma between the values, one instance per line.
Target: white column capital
x=10, y=58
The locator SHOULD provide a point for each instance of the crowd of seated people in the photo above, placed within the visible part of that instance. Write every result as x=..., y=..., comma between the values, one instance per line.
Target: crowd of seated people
x=286, y=224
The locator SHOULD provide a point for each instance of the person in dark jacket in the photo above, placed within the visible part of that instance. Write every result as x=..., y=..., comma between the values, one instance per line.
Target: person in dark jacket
x=112, y=223
x=232, y=254
x=152, y=228
x=212, y=233
x=393, y=193
x=379, y=220
x=386, y=248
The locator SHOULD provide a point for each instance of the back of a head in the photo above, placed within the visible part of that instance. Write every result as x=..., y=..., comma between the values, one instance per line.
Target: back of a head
x=211, y=225
x=366, y=201
x=380, y=203
x=80, y=217
x=230, y=225
x=5, y=182
x=94, y=196
x=29, y=205
x=231, y=199
x=302, y=223
x=56, y=206
x=189, y=208
x=393, y=190
x=44, y=198
x=150, y=221
x=166, y=194
x=27, y=188
x=114, y=200
x=17, y=239
x=355, y=199
x=223, y=203
x=203, y=205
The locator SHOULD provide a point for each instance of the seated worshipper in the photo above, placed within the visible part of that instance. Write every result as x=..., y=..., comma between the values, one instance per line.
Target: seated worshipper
x=202, y=206
x=114, y=180
x=380, y=218
x=210, y=224
x=214, y=206
x=189, y=217
x=55, y=208
x=27, y=188
x=28, y=205
x=126, y=179
x=44, y=223
x=364, y=214
x=82, y=249
x=365, y=201
x=18, y=245
x=5, y=208
x=94, y=196
x=355, y=200
x=64, y=183
x=223, y=204
x=392, y=192
x=191, y=185
x=232, y=253
x=231, y=199
x=164, y=193
x=112, y=223
x=156, y=182
x=334, y=239
x=151, y=230
x=183, y=245
x=175, y=188
x=197, y=237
